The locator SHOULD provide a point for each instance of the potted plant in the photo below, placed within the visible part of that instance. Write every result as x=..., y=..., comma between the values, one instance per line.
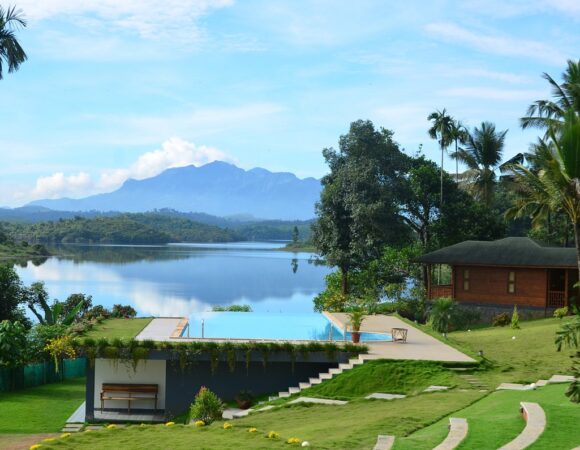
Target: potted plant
x=356, y=317
x=244, y=399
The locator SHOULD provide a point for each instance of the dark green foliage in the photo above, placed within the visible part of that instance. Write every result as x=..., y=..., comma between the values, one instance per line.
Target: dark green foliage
x=441, y=314
x=232, y=308
x=501, y=320
x=123, y=311
x=10, y=294
x=13, y=344
x=12, y=55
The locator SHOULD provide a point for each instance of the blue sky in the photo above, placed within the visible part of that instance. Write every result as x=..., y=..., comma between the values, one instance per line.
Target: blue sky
x=126, y=88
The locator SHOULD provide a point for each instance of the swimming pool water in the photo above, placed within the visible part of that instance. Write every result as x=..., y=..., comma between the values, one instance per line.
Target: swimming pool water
x=254, y=325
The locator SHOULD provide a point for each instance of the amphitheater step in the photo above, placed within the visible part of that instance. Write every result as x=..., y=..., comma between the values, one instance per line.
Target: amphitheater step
x=294, y=390
x=335, y=371
x=314, y=381
x=283, y=394
x=536, y=423
x=457, y=433
x=304, y=385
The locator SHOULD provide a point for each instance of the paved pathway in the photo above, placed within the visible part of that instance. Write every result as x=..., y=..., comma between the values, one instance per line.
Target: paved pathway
x=457, y=433
x=382, y=396
x=536, y=422
x=78, y=416
x=159, y=329
x=419, y=345
x=322, y=401
x=384, y=442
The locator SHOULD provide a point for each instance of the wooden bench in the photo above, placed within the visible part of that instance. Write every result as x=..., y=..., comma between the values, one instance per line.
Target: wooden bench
x=129, y=393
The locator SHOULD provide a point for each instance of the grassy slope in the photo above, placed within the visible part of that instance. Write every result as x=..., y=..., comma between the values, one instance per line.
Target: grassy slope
x=40, y=409
x=118, y=328
x=530, y=356
x=394, y=377
x=353, y=426
x=503, y=408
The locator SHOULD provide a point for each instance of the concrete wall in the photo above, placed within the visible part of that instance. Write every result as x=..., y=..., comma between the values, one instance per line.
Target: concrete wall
x=147, y=372
x=182, y=385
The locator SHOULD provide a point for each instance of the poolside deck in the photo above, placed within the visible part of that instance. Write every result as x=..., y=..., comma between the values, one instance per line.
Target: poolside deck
x=419, y=345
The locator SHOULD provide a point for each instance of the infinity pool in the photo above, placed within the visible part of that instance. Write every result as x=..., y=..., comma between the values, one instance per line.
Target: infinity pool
x=254, y=325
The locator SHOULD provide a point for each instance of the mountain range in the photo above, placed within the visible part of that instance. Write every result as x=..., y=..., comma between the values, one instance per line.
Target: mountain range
x=217, y=188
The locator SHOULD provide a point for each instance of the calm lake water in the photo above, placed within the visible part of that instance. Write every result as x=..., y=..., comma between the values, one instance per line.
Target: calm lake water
x=182, y=279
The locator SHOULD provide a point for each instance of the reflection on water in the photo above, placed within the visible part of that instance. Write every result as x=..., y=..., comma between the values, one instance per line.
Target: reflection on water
x=182, y=279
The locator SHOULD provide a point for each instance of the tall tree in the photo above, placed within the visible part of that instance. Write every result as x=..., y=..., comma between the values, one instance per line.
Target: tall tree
x=482, y=154
x=556, y=184
x=459, y=134
x=544, y=114
x=358, y=211
x=10, y=294
x=441, y=130
x=11, y=53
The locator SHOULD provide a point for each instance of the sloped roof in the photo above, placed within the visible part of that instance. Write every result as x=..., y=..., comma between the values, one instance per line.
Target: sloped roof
x=511, y=251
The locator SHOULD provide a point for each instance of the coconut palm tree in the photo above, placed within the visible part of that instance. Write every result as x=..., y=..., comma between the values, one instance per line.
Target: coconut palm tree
x=482, y=155
x=441, y=130
x=11, y=53
x=566, y=96
x=459, y=135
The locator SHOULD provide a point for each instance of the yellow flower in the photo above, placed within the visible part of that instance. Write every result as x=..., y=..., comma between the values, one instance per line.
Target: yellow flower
x=49, y=440
x=169, y=424
x=88, y=431
x=64, y=435
x=35, y=446
x=199, y=423
x=293, y=440
x=111, y=426
x=273, y=435
x=227, y=425
x=252, y=430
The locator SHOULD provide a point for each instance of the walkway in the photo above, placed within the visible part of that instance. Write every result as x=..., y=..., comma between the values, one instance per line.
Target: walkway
x=159, y=329
x=419, y=345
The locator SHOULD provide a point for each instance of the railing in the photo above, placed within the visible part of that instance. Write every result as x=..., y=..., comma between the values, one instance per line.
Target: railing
x=441, y=290
x=556, y=299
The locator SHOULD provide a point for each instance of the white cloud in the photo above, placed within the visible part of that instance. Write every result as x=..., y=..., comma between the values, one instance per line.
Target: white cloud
x=150, y=19
x=174, y=152
x=494, y=43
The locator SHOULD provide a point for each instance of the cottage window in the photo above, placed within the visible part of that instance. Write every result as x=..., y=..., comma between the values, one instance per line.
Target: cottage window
x=466, y=279
x=512, y=283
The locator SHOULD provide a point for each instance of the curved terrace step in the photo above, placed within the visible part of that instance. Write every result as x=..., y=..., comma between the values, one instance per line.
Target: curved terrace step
x=457, y=433
x=536, y=423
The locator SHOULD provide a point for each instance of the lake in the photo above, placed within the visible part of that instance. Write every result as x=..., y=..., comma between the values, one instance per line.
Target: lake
x=181, y=279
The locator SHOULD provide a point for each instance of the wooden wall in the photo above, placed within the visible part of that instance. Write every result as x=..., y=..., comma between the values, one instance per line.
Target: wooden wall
x=490, y=285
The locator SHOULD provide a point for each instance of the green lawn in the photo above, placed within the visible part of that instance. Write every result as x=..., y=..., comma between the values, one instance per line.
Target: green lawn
x=352, y=426
x=530, y=356
x=41, y=409
x=495, y=421
x=118, y=328
x=394, y=377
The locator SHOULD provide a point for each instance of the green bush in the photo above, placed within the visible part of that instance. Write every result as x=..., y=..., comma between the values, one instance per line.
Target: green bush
x=441, y=314
x=515, y=322
x=561, y=312
x=206, y=407
x=501, y=320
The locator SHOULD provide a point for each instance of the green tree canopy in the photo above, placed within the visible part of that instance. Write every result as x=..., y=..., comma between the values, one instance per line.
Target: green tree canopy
x=11, y=53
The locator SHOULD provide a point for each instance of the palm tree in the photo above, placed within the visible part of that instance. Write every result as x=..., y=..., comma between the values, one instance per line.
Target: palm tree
x=441, y=131
x=11, y=53
x=482, y=155
x=459, y=135
x=545, y=113
x=555, y=184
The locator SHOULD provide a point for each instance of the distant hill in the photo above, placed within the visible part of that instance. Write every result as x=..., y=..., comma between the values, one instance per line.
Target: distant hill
x=217, y=188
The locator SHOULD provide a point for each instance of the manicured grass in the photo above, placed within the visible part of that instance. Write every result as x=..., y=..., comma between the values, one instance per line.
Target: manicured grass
x=530, y=356
x=119, y=328
x=41, y=409
x=394, y=377
x=495, y=421
x=352, y=426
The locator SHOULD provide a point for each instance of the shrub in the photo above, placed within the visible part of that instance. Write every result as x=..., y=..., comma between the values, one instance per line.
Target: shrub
x=244, y=399
x=441, y=314
x=515, y=322
x=501, y=320
x=207, y=407
x=123, y=311
x=561, y=312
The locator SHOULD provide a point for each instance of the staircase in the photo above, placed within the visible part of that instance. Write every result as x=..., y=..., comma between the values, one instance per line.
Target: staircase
x=343, y=367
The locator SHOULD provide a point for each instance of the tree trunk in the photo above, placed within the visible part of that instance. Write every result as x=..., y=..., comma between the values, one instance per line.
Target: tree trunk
x=456, y=164
x=441, y=193
x=344, y=273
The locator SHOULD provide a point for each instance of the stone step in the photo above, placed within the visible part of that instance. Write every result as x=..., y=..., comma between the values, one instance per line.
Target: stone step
x=294, y=390
x=304, y=385
x=384, y=442
x=314, y=381
x=272, y=397
x=325, y=376
x=561, y=379
x=356, y=361
x=335, y=371
x=283, y=394
x=345, y=366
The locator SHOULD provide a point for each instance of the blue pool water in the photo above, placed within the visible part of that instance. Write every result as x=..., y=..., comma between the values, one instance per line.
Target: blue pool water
x=255, y=325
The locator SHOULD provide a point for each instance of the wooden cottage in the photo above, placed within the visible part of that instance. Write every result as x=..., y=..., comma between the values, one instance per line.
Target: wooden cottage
x=510, y=271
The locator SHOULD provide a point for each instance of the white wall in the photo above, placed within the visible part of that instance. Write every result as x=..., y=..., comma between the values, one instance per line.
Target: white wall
x=147, y=372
